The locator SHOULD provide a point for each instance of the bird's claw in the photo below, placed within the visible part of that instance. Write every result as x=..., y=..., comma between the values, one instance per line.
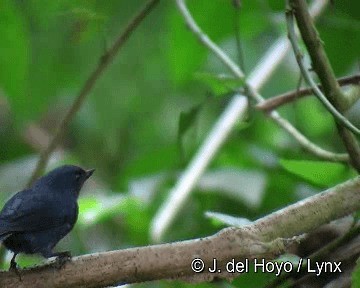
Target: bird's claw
x=62, y=258
x=14, y=268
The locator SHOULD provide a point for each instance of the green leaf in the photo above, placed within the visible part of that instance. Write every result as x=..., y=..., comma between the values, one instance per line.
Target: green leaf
x=150, y=162
x=93, y=210
x=14, y=57
x=320, y=173
x=220, y=84
x=185, y=53
x=216, y=19
x=356, y=275
x=339, y=31
x=316, y=121
x=187, y=119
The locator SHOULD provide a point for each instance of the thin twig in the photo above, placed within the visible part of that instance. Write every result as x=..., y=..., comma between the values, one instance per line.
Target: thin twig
x=256, y=79
x=305, y=142
x=308, y=78
x=323, y=69
x=89, y=84
x=288, y=97
x=205, y=40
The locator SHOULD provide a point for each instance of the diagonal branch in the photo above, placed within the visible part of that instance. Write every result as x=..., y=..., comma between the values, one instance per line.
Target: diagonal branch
x=288, y=97
x=89, y=84
x=235, y=111
x=265, y=238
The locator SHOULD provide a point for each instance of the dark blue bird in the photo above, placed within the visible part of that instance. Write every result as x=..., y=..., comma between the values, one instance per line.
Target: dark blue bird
x=34, y=220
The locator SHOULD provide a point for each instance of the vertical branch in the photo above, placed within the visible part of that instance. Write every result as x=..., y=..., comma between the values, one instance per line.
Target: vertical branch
x=89, y=84
x=306, y=74
x=322, y=67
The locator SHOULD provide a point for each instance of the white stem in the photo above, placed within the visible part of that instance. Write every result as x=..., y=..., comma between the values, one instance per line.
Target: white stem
x=277, y=52
x=234, y=112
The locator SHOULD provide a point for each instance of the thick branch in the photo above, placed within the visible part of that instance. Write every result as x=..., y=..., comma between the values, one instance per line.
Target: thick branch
x=262, y=239
x=145, y=263
x=89, y=84
x=311, y=212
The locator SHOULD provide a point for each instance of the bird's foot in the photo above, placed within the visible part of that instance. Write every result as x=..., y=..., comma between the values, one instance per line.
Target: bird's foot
x=62, y=258
x=14, y=268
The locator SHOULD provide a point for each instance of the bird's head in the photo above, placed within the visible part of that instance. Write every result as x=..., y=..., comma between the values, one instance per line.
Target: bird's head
x=67, y=178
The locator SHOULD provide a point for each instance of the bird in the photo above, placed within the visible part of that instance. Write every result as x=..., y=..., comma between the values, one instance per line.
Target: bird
x=34, y=220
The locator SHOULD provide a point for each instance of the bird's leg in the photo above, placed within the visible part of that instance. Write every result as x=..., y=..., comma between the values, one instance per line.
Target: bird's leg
x=13, y=264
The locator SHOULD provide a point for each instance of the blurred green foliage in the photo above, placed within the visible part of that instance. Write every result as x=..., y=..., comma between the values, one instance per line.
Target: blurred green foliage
x=160, y=94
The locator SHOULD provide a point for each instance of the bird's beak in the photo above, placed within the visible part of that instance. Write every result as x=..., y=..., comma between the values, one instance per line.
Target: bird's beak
x=89, y=173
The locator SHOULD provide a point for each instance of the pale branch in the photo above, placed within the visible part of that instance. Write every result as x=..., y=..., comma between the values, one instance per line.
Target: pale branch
x=272, y=58
x=306, y=143
x=323, y=69
x=311, y=212
x=289, y=97
x=165, y=261
x=206, y=41
x=104, y=62
x=265, y=238
x=257, y=79
x=234, y=112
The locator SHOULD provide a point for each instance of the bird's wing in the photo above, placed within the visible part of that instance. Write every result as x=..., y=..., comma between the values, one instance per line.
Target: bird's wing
x=28, y=211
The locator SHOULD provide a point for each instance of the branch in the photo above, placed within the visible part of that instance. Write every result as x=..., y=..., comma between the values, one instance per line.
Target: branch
x=306, y=143
x=306, y=74
x=264, y=239
x=311, y=212
x=277, y=52
x=206, y=41
x=183, y=187
x=323, y=253
x=259, y=76
x=277, y=101
x=325, y=73
x=234, y=112
x=89, y=84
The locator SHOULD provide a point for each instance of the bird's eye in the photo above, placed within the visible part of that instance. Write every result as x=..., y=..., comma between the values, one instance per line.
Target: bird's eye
x=78, y=175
